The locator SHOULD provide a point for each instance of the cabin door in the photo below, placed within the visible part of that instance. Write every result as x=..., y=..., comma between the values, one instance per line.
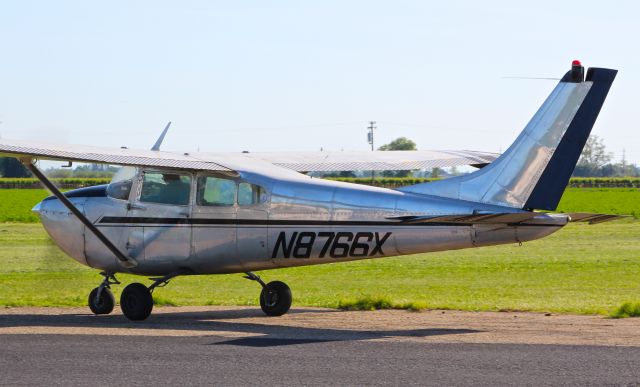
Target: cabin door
x=161, y=216
x=252, y=226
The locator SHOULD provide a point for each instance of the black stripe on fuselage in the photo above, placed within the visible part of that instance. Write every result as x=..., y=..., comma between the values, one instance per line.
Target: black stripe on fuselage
x=126, y=221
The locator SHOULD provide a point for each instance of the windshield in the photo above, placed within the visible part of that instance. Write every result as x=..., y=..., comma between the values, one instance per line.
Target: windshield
x=121, y=183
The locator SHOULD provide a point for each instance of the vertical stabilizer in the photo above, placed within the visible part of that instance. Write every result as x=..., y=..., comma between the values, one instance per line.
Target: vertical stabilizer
x=534, y=171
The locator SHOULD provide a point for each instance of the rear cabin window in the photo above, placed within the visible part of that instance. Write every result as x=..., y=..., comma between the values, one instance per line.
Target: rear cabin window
x=250, y=194
x=166, y=188
x=215, y=191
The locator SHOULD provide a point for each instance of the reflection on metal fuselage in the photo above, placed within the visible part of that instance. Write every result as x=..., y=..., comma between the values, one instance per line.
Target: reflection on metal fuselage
x=304, y=221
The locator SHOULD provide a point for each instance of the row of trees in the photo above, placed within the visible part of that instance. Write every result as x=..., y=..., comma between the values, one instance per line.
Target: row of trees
x=10, y=167
x=595, y=161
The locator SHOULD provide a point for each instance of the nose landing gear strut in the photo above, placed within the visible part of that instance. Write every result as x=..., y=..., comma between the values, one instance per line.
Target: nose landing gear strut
x=101, y=300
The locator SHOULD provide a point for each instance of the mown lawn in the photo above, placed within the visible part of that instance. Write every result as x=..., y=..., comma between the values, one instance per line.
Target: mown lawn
x=16, y=204
x=580, y=269
x=621, y=201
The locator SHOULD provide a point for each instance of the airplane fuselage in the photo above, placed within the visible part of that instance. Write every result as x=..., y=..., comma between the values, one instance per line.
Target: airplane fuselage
x=298, y=221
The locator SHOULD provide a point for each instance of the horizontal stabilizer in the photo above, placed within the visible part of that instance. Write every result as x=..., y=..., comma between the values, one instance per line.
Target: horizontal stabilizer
x=492, y=218
x=593, y=218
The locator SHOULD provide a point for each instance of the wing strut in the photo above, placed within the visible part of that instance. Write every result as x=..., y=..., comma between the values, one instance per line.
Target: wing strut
x=124, y=260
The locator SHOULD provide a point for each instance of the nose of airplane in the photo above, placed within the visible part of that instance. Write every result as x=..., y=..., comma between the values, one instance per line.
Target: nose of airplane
x=36, y=208
x=63, y=227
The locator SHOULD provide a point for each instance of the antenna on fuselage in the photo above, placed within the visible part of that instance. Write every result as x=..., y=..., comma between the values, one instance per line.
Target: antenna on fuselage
x=156, y=146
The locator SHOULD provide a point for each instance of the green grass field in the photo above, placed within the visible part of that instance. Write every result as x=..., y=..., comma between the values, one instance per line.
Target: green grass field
x=16, y=204
x=580, y=269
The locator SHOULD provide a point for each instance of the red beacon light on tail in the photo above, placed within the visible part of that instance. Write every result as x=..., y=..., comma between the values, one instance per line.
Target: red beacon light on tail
x=577, y=71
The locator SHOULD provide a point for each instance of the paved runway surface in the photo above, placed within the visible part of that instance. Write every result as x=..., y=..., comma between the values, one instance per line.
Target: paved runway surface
x=237, y=346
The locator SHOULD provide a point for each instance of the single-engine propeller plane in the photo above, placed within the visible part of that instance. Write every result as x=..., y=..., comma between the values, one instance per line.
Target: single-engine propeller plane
x=170, y=214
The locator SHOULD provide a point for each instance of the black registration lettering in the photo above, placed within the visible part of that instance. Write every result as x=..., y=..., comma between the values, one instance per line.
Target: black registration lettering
x=360, y=249
x=282, y=241
x=327, y=243
x=379, y=242
x=336, y=245
x=343, y=248
x=304, y=244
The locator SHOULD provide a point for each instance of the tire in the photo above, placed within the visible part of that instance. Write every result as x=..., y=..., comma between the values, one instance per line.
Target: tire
x=136, y=302
x=275, y=298
x=105, y=304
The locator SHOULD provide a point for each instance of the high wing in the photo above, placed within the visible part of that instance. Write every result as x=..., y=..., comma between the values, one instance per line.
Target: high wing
x=373, y=161
x=91, y=154
x=297, y=161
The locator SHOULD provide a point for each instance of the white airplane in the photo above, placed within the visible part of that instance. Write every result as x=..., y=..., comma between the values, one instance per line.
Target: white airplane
x=172, y=214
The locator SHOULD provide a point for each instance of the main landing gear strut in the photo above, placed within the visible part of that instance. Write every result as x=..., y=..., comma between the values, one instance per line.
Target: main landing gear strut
x=275, y=297
x=136, y=301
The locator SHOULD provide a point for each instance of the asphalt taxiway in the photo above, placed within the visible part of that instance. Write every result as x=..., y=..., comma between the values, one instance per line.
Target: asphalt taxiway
x=238, y=346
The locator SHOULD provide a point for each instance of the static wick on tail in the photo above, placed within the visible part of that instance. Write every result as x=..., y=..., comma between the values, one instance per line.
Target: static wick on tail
x=577, y=73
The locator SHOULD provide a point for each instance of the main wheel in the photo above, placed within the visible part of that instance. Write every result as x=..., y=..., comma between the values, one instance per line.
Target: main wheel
x=275, y=298
x=102, y=305
x=136, y=302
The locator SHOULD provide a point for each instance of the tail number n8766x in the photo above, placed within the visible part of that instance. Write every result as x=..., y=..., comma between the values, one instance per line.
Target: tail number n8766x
x=333, y=244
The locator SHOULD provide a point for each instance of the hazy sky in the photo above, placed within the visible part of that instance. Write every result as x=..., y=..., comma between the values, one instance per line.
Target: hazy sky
x=295, y=75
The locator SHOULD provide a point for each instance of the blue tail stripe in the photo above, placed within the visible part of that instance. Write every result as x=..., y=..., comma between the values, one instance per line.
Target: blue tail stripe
x=547, y=193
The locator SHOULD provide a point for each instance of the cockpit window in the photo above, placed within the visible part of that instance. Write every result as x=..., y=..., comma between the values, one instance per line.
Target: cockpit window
x=250, y=194
x=215, y=191
x=166, y=188
x=121, y=183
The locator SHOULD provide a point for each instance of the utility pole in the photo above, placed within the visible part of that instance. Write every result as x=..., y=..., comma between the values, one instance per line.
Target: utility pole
x=370, y=134
x=370, y=139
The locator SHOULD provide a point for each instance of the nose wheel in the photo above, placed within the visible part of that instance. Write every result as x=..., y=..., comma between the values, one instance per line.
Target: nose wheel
x=101, y=300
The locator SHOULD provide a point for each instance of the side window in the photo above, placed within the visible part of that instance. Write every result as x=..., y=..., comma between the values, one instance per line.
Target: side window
x=166, y=188
x=250, y=194
x=215, y=191
x=121, y=183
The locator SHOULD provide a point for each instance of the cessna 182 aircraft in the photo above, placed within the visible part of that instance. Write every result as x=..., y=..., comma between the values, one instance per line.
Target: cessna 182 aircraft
x=171, y=214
